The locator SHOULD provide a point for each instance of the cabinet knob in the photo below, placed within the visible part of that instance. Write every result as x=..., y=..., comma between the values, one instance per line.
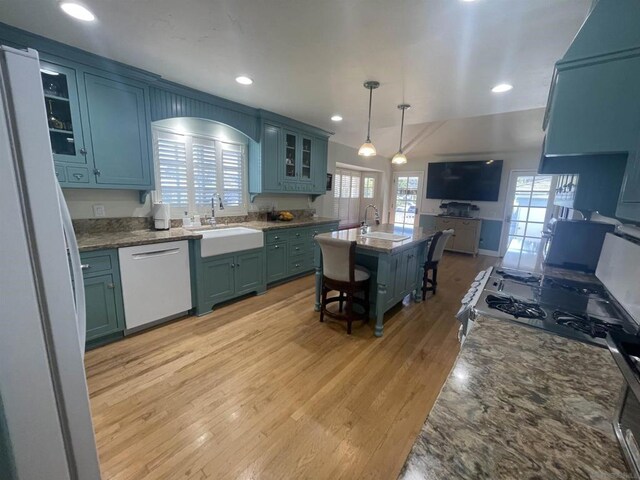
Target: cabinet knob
x=238, y=265
x=233, y=265
x=77, y=176
x=57, y=174
x=276, y=247
x=85, y=266
x=83, y=151
x=96, y=172
x=111, y=285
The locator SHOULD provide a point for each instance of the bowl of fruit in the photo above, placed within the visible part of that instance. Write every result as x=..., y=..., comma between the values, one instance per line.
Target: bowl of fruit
x=285, y=216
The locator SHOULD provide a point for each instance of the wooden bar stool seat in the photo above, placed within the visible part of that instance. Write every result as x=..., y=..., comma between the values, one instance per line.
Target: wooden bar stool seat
x=341, y=274
x=434, y=255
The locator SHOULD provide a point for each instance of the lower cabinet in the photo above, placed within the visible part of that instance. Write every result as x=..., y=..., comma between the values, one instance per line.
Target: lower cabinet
x=629, y=201
x=224, y=277
x=103, y=296
x=466, y=236
x=290, y=250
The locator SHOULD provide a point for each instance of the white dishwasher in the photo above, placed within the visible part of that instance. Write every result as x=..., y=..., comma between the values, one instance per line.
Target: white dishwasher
x=156, y=283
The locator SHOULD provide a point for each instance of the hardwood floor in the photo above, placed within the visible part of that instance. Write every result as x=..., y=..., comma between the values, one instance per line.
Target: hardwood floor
x=261, y=389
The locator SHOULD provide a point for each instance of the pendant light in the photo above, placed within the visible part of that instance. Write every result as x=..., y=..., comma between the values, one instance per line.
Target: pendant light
x=367, y=149
x=400, y=158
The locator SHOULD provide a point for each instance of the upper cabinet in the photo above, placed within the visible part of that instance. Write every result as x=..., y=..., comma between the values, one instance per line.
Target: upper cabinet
x=594, y=101
x=99, y=128
x=290, y=159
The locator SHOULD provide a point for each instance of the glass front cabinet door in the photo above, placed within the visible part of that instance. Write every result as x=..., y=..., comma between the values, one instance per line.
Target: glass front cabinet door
x=291, y=155
x=63, y=113
x=305, y=168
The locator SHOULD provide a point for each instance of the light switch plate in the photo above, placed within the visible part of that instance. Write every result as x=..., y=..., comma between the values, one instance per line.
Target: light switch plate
x=98, y=211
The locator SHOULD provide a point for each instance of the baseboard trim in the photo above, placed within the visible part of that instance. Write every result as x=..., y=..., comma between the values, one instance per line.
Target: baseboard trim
x=489, y=253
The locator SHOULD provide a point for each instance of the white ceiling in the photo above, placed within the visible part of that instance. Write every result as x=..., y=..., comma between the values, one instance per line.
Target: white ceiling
x=308, y=58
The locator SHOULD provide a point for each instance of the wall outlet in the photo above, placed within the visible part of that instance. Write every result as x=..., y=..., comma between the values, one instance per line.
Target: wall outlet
x=98, y=211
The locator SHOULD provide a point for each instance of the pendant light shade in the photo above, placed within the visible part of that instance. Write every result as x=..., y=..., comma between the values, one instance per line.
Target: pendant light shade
x=367, y=149
x=400, y=158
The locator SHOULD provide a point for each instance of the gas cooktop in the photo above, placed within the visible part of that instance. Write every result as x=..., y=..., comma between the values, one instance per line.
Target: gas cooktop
x=579, y=310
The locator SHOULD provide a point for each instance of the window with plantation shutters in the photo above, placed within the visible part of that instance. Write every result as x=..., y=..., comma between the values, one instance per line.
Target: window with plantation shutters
x=346, y=195
x=191, y=169
x=172, y=162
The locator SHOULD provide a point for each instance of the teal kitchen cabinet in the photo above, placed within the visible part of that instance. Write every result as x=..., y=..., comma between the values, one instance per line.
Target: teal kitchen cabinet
x=276, y=262
x=291, y=159
x=290, y=251
x=99, y=128
x=103, y=296
x=221, y=278
x=629, y=200
x=117, y=127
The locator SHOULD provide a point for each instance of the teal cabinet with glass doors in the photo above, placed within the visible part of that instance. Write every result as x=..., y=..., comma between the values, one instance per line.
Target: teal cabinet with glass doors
x=98, y=126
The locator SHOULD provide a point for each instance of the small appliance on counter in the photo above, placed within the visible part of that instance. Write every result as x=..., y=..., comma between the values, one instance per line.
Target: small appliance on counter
x=575, y=244
x=162, y=216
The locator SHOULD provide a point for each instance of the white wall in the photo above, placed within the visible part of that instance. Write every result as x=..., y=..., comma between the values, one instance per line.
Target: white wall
x=514, y=160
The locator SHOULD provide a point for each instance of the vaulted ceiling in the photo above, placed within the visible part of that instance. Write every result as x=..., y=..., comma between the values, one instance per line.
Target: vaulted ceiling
x=309, y=58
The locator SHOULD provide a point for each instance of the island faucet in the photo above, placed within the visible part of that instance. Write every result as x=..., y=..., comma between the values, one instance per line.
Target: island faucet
x=212, y=220
x=365, y=225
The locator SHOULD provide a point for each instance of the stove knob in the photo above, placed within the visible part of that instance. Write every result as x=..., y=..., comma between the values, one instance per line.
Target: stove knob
x=480, y=276
x=475, y=284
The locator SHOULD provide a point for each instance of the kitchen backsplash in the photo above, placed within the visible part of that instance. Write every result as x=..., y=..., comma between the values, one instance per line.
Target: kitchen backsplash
x=125, y=224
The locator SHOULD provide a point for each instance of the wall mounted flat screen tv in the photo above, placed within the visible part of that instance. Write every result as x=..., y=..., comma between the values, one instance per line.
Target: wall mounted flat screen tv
x=477, y=180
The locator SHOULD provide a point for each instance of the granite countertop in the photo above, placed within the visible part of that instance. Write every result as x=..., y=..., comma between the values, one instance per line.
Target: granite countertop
x=103, y=240
x=522, y=403
x=386, y=246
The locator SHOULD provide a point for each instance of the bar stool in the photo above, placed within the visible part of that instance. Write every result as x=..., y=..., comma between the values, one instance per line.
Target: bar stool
x=340, y=273
x=434, y=254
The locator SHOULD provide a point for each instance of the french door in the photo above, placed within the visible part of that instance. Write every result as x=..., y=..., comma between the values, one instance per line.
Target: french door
x=405, y=206
x=528, y=208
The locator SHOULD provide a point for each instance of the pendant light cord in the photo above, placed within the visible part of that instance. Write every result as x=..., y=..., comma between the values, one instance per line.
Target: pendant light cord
x=369, y=124
x=401, y=130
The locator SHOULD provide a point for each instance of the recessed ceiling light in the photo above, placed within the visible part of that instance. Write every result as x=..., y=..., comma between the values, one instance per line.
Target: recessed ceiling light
x=77, y=11
x=336, y=118
x=468, y=1
x=243, y=80
x=501, y=88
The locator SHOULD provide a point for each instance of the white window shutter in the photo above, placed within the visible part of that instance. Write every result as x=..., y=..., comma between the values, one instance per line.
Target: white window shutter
x=204, y=171
x=233, y=178
x=172, y=162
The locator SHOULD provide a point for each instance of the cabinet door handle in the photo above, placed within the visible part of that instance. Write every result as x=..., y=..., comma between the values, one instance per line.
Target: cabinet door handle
x=85, y=266
x=77, y=176
x=276, y=247
x=83, y=151
x=111, y=285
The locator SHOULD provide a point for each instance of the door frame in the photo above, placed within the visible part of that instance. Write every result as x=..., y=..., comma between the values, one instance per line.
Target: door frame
x=508, y=203
x=394, y=190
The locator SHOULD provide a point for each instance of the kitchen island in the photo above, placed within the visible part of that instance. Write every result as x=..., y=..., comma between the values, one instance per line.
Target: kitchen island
x=396, y=267
x=522, y=403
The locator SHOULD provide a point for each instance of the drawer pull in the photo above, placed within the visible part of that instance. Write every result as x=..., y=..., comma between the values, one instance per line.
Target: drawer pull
x=297, y=248
x=85, y=266
x=77, y=176
x=277, y=246
x=276, y=238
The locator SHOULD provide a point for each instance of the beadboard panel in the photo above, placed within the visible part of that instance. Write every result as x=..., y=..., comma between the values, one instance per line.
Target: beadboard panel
x=167, y=104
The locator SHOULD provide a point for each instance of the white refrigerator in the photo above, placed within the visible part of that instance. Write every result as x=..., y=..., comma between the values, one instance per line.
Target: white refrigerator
x=46, y=430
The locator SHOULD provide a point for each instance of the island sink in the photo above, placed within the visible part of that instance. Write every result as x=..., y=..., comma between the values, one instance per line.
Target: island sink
x=392, y=237
x=229, y=240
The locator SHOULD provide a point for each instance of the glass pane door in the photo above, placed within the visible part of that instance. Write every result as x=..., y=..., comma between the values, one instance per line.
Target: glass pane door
x=63, y=117
x=291, y=142
x=306, y=159
x=407, y=188
x=527, y=213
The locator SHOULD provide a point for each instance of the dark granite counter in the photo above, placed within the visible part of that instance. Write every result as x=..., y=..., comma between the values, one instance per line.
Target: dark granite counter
x=117, y=239
x=521, y=403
